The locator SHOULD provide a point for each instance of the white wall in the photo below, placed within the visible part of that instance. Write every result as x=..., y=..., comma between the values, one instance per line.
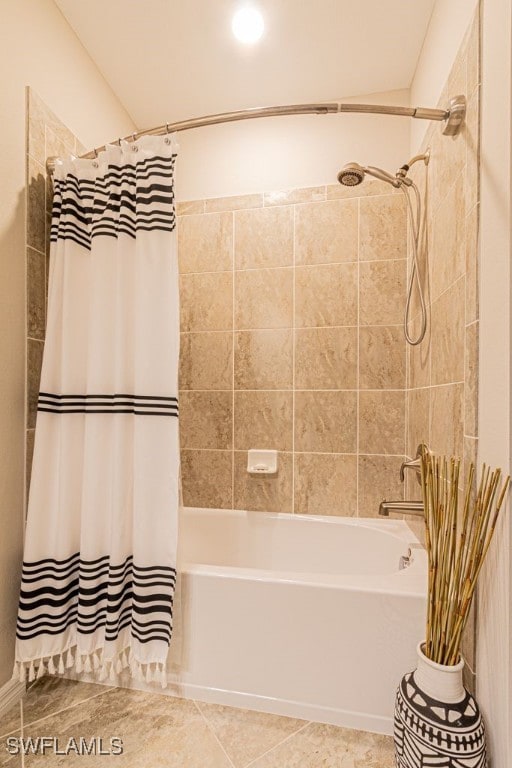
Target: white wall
x=494, y=641
x=448, y=23
x=285, y=152
x=446, y=30
x=38, y=49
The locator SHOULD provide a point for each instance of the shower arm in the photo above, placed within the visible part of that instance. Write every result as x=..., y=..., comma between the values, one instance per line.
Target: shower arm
x=452, y=116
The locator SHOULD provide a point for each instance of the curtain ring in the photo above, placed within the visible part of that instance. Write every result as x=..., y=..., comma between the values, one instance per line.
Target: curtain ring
x=134, y=146
x=95, y=152
x=167, y=139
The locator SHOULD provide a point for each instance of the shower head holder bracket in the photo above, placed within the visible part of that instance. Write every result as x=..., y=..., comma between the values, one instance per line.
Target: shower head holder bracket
x=456, y=112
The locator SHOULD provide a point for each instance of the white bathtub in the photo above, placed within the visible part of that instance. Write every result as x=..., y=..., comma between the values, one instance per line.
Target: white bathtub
x=302, y=616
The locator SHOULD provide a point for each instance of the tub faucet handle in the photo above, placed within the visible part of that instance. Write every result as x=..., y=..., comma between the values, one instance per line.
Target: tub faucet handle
x=414, y=463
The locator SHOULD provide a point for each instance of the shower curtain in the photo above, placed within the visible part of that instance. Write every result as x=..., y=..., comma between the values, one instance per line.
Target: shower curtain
x=99, y=566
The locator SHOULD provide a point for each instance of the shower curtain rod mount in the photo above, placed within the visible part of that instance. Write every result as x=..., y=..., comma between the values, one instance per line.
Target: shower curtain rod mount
x=452, y=117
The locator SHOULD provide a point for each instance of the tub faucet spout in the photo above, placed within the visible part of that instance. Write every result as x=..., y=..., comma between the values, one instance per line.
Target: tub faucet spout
x=402, y=508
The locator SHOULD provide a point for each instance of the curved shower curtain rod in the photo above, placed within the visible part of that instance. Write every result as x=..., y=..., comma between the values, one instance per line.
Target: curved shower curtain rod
x=452, y=116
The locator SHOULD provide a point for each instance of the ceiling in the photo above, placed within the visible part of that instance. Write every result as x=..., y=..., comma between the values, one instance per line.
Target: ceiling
x=169, y=60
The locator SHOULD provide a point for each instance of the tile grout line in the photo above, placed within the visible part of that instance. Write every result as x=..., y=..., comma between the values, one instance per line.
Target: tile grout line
x=212, y=731
x=280, y=744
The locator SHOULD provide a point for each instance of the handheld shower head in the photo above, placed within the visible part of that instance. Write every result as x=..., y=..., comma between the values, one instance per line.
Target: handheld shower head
x=351, y=175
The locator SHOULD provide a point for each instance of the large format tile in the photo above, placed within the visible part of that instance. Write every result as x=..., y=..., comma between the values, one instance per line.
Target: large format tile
x=206, y=302
x=326, y=358
x=381, y=357
x=10, y=752
x=156, y=731
x=325, y=484
x=206, y=419
x=326, y=746
x=326, y=295
x=205, y=242
x=264, y=359
x=207, y=478
x=326, y=233
x=264, y=298
x=326, y=421
x=264, y=238
x=382, y=292
x=51, y=694
x=382, y=422
x=206, y=360
x=263, y=493
x=10, y=721
x=263, y=420
x=383, y=228
x=246, y=735
x=379, y=479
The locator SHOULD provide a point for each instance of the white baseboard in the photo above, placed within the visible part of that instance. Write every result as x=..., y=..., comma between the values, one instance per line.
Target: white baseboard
x=10, y=694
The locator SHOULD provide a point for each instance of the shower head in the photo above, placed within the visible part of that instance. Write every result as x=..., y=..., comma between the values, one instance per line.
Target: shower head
x=351, y=175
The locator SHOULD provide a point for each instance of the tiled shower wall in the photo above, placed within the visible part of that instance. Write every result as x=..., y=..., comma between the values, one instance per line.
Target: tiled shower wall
x=46, y=136
x=442, y=395
x=291, y=312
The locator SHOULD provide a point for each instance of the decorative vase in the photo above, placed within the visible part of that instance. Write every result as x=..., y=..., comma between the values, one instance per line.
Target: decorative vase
x=437, y=722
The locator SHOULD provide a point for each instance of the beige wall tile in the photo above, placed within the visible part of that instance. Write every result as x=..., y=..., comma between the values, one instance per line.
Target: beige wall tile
x=418, y=357
x=264, y=359
x=206, y=360
x=264, y=238
x=326, y=295
x=35, y=133
x=379, y=479
x=446, y=408
x=206, y=302
x=448, y=335
x=56, y=146
x=263, y=420
x=36, y=205
x=206, y=420
x=325, y=422
x=472, y=131
x=30, y=436
x=34, y=362
x=289, y=196
x=381, y=357
x=368, y=187
x=418, y=419
x=325, y=484
x=36, y=294
x=326, y=358
x=471, y=381
x=473, y=54
x=382, y=286
x=205, y=242
x=326, y=233
x=264, y=299
x=207, y=479
x=263, y=493
x=189, y=206
x=447, y=252
x=382, y=228
x=233, y=203
x=382, y=422
x=472, y=281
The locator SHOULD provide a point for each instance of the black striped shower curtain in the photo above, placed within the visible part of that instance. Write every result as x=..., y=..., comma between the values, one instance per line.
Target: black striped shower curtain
x=99, y=566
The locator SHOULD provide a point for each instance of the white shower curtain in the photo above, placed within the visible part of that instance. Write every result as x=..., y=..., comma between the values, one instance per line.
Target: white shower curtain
x=99, y=566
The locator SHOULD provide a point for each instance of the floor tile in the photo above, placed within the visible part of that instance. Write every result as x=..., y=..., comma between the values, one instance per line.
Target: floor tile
x=156, y=731
x=10, y=720
x=246, y=735
x=326, y=746
x=51, y=694
x=10, y=756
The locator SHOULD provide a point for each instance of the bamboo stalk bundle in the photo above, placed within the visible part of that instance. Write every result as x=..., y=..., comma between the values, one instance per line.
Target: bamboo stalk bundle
x=457, y=541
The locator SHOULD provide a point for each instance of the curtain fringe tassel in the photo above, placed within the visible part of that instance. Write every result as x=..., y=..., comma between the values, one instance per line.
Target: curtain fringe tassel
x=148, y=672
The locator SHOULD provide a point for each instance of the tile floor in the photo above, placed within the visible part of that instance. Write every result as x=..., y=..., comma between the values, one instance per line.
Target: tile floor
x=159, y=731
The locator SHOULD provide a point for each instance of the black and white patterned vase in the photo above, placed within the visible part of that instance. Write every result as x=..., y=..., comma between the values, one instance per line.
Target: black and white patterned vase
x=437, y=722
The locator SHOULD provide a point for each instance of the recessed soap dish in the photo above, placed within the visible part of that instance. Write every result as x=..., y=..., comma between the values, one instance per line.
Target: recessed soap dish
x=261, y=462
